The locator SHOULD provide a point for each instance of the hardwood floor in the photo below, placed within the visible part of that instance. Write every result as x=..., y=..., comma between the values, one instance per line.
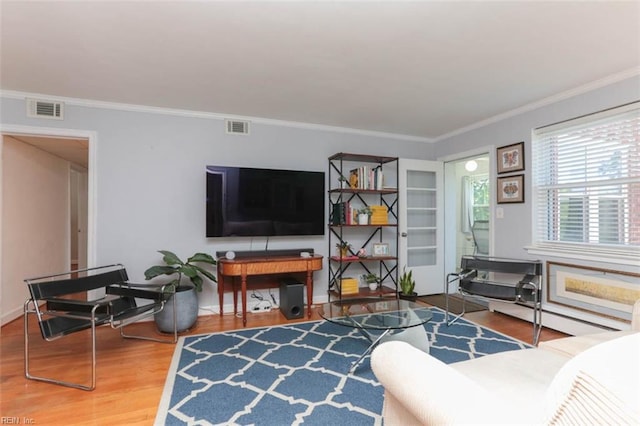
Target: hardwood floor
x=130, y=373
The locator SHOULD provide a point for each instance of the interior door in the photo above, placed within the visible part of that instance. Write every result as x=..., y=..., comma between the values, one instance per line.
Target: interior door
x=83, y=216
x=421, y=223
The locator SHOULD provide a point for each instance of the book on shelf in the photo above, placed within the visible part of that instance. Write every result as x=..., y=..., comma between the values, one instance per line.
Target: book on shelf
x=379, y=215
x=342, y=213
x=348, y=286
x=365, y=177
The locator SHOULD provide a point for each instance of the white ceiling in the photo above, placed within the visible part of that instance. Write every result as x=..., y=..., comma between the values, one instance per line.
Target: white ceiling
x=424, y=69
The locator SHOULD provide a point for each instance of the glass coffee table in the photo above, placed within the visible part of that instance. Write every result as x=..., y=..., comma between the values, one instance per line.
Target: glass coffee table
x=380, y=320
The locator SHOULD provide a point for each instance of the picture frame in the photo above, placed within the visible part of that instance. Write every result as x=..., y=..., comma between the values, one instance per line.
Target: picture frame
x=603, y=292
x=380, y=249
x=510, y=189
x=510, y=158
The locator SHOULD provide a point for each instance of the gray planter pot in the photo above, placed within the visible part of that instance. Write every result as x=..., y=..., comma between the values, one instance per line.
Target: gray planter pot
x=186, y=307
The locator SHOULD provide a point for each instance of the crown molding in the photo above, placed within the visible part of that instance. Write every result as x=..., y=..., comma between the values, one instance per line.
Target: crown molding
x=597, y=84
x=89, y=103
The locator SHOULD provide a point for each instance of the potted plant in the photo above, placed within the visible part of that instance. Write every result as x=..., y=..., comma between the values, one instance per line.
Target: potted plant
x=407, y=284
x=186, y=296
x=343, y=248
x=363, y=215
x=372, y=280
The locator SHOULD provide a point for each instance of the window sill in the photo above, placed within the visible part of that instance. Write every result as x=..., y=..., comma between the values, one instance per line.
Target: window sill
x=627, y=257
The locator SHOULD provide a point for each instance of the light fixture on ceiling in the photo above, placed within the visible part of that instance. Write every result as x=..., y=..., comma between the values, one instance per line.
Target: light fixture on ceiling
x=471, y=166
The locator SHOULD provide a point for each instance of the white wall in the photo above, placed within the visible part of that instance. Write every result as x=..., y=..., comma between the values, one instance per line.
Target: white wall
x=514, y=232
x=35, y=220
x=150, y=177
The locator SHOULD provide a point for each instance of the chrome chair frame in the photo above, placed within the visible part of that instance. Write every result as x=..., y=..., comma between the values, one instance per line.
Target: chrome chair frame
x=58, y=316
x=471, y=282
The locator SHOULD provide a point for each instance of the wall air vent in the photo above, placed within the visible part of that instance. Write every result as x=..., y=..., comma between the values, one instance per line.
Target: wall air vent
x=45, y=109
x=237, y=127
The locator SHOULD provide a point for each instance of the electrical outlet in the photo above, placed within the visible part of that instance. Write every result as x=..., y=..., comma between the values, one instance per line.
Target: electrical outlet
x=259, y=307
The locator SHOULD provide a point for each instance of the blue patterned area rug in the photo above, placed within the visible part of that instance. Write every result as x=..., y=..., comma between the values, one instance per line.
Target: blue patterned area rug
x=297, y=373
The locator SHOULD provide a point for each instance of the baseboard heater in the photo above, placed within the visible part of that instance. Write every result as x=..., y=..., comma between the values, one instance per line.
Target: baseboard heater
x=550, y=319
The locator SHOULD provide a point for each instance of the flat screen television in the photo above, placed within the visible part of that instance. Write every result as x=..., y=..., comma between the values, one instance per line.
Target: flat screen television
x=243, y=201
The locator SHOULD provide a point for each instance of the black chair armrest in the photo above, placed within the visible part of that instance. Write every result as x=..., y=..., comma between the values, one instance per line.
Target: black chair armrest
x=78, y=306
x=157, y=292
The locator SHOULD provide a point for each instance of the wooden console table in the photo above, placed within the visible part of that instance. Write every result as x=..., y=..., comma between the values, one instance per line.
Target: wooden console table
x=251, y=266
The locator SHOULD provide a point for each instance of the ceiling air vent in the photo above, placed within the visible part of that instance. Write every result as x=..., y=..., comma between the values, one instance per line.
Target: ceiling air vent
x=237, y=127
x=45, y=109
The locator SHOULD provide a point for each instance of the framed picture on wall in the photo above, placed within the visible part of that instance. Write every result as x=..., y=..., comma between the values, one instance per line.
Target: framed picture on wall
x=597, y=291
x=511, y=189
x=510, y=158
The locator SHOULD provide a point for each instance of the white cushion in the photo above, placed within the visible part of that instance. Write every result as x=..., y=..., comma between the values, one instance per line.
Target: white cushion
x=572, y=346
x=598, y=386
x=516, y=377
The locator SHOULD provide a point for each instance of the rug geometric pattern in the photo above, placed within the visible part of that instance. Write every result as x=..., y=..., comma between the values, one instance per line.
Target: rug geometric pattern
x=297, y=373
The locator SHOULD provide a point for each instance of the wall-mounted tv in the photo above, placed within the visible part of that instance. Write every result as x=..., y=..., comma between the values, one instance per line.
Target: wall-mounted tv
x=243, y=201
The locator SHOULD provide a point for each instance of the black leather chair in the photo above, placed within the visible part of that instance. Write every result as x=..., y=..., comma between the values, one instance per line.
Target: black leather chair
x=500, y=279
x=60, y=315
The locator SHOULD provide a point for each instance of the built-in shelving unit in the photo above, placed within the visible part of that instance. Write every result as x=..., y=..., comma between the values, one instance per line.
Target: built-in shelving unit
x=358, y=181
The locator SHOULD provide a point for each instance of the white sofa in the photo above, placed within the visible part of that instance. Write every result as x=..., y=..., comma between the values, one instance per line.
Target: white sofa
x=575, y=380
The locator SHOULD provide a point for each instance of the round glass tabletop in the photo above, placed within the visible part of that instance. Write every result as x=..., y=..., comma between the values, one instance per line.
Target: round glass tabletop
x=376, y=314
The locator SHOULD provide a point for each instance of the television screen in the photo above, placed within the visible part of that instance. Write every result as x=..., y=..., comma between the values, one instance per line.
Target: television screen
x=244, y=201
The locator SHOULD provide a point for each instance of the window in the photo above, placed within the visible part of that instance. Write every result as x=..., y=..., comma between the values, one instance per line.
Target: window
x=480, y=188
x=475, y=199
x=586, y=183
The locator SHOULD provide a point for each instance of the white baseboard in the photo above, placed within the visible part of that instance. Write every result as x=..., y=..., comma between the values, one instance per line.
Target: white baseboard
x=549, y=319
x=11, y=315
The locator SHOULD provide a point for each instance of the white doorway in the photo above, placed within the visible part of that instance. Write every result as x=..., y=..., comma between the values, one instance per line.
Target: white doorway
x=468, y=201
x=62, y=151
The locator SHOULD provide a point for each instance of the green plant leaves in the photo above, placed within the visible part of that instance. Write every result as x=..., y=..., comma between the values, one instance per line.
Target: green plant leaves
x=407, y=284
x=176, y=266
x=170, y=258
x=202, y=257
x=155, y=271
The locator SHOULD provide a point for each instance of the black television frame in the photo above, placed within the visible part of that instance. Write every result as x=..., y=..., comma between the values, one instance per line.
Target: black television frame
x=264, y=202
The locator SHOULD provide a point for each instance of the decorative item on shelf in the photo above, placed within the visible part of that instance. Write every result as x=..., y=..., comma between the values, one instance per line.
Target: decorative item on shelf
x=186, y=297
x=379, y=215
x=348, y=286
x=367, y=178
x=363, y=215
x=344, y=182
x=407, y=284
x=380, y=249
x=372, y=280
x=343, y=248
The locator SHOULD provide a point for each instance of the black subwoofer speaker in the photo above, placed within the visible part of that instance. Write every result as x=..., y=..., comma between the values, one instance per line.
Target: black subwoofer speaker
x=292, y=298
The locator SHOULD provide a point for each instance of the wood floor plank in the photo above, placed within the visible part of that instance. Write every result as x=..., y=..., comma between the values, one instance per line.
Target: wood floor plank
x=131, y=373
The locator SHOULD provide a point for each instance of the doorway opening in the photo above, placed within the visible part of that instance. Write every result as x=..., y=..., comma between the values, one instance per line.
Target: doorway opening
x=46, y=207
x=468, y=205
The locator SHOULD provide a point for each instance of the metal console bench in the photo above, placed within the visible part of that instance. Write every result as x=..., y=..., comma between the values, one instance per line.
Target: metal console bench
x=501, y=279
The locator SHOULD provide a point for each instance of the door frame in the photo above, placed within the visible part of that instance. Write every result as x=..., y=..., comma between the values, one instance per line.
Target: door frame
x=450, y=229
x=92, y=137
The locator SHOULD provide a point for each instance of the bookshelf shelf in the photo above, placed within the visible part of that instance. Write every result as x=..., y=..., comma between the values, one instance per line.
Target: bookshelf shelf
x=357, y=182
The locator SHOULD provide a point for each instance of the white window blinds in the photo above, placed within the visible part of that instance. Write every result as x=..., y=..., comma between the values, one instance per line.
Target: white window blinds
x=586, y=182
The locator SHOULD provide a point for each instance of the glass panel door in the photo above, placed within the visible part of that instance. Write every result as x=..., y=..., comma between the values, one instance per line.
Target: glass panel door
x=421, y=223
